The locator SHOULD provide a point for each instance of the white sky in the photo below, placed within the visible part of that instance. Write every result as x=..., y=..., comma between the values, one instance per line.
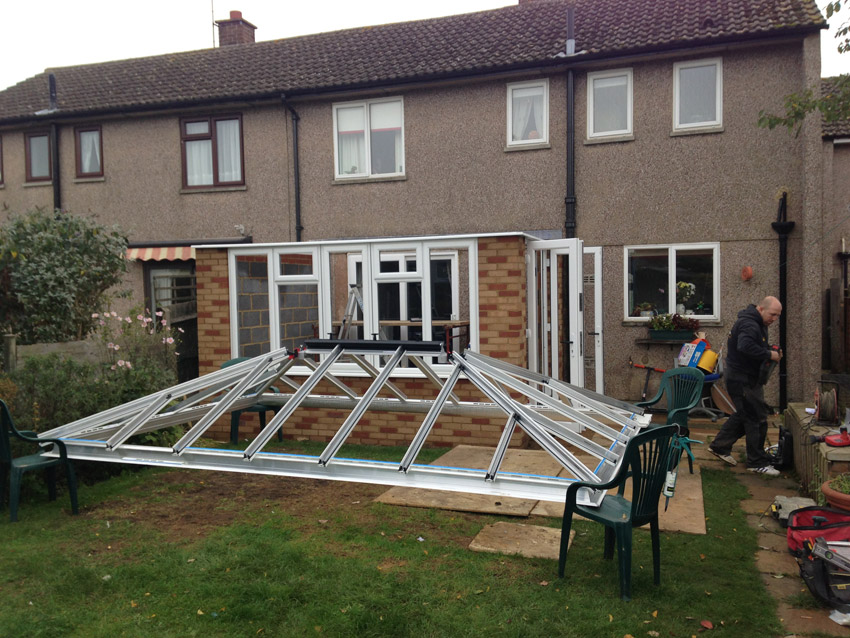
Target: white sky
x=51, y=33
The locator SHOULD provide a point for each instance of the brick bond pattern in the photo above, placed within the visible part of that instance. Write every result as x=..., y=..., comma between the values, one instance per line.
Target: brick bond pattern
x=502, y=311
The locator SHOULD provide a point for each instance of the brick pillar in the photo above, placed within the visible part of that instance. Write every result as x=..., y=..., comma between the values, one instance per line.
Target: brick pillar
x=502, y=298
x=213, y=309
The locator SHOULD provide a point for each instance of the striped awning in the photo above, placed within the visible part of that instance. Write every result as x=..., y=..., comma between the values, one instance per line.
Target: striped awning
x=161, y=253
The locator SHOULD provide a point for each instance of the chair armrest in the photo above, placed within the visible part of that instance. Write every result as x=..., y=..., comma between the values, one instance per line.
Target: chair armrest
x=652, y=401
x=32, y=437
x=616, y=481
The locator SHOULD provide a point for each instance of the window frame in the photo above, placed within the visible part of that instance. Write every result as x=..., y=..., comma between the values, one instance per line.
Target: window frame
x=543, y=140
x=211, y=121
x=2, y=174
x=601, y=75
x=672, y=251
x=78, y=149
x=29, y=135
x=368, y=174
x=715, y=124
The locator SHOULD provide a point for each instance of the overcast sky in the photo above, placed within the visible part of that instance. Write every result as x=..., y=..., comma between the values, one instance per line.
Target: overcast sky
x=51, y=33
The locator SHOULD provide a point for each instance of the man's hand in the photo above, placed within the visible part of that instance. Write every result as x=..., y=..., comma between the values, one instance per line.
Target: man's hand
x=775, y=355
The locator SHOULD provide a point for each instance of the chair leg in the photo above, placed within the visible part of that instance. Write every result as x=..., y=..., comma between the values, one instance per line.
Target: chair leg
x=624, y=555
x=50, y=472
x=234, y=426
x=608, y=544
x=4, y=481
x=280, y=429
x=72, y=487
x=262, y=420
x=656, y=550
x=566, y=525
x=14, y=494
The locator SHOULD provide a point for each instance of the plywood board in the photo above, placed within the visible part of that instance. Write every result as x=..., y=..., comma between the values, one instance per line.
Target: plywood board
x=532, y=541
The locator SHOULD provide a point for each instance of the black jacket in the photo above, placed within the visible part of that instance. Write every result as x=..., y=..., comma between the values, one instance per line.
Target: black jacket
x=747, y=349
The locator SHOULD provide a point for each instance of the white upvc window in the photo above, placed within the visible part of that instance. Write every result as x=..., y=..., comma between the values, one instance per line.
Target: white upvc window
x=528, y=113
x=675, y=278
x=369, y=138
x=698, y=94
x=609, y=103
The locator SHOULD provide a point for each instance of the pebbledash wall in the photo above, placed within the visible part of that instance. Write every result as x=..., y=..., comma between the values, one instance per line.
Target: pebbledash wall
x=503, y=320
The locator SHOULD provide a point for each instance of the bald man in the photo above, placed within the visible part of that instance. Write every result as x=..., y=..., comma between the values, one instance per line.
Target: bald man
x=747, y=352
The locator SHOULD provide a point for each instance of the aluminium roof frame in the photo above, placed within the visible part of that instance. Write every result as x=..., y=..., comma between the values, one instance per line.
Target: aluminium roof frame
x=570, y=423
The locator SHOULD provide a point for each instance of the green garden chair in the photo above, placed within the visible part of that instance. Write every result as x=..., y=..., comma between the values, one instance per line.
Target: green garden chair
x=260, y=408
x=644, y=463
x=682, y=389
x=15, y=467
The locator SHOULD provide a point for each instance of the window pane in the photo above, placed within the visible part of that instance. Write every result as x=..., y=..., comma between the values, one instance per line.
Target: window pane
x=385, y=137
x=197, y=128
x=528, y=121
x=39, y=156
x=229, y=151
x=90, y=151
x=698, y=94
x=301, y=264
x=252, y=305
x=199, y=170
x=610, y=104
x=648, y=281
x=695, y=281
x=351, y=140
x=299, y=314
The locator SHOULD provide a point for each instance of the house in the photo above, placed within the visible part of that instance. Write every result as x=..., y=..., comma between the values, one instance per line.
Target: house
x=535, y=174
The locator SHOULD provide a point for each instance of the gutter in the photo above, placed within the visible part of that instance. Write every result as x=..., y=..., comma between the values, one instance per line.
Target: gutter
x=167, y=243
x=296, y=170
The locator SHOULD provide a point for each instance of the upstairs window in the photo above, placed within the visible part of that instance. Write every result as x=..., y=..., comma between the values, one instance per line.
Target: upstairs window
x=212, y=151
x=609, y=104
x=369, y=138
x=698, y=94
x=37, y=151
x=89, y=150
x=528, y=113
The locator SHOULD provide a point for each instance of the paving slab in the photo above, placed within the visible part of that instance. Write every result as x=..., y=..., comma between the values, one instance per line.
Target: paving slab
x=783, y=587
x=770, y=562
x=533, y=541
x=806, y=622
x=773, y=541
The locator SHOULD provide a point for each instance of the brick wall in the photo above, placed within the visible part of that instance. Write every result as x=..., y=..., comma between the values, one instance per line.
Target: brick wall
x=502, y=288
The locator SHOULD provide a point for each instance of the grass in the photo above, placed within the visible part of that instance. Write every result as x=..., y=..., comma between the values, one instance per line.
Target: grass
x=331, y=568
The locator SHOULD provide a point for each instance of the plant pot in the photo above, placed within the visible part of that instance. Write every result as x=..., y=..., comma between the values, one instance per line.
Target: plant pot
x=671, y=335
x=835, y=498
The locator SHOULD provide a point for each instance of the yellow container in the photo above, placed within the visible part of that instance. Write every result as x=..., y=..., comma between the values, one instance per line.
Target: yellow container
x=708, y=361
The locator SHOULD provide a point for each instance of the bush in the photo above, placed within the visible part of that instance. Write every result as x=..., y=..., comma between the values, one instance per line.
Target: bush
x=55, y=267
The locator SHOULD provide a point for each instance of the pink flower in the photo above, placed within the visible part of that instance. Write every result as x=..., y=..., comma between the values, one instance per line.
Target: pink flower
x=112, y=368
x=113, y=313
x=159, y=313
x=102, y=322
x=169, y=340
x=120, y=363
x=140, y=317
x=127, y=363
x=110, y=345
x=116, y=347
x=164, y=322
x=94, y=315
x=148, y=320
x=128, y=320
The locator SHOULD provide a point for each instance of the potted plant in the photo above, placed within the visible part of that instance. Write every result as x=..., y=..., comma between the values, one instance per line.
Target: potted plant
x=644, y=309
x=836, y=491
x=669, y=327
x=684, y=291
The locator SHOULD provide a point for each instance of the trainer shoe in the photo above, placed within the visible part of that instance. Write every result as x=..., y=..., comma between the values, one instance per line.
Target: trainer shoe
x=727, y=459
x=767, y=470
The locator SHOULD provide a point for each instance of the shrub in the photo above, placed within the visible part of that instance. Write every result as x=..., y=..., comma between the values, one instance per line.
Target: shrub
x=55, y=267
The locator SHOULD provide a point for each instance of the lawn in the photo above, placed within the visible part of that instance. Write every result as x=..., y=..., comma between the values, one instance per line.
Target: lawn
x=190, y=553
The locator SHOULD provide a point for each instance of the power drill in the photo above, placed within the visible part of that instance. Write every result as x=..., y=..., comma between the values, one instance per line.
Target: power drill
x=768, y=366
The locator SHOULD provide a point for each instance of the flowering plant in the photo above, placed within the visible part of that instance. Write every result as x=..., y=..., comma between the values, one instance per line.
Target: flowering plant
x=684, y=291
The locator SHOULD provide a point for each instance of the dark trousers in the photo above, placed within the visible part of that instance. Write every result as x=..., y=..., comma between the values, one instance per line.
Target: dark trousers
x=749, y=420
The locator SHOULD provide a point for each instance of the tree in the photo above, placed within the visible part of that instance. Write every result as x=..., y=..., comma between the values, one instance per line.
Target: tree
x=833, y=103
x=55, y=269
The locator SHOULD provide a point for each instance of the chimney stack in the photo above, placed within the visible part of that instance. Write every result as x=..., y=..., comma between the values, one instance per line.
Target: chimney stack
x=235, y=30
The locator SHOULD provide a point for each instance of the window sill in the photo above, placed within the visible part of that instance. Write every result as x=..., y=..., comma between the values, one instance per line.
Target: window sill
x=369, y=180
x=213, y=189
x=699, y=130
x=89, y=180
x=609, y=139
x=527, y=147
x=37, y=184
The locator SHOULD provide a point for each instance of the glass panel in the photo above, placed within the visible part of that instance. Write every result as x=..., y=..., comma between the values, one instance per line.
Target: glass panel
x=695, y=281
x=39, y=156
x=252, y=305
x=344, y=299
x=199, y=163
x=351, y=140
x=698, y=94
x=299, y=314
x=648, y=282
x=90, y=151
x=229, y=153
x=610, y=104
x=389, y=310
x=298, y=264
x=171, y=286
x=385, y=137
x=528, y=120
x=197, y=128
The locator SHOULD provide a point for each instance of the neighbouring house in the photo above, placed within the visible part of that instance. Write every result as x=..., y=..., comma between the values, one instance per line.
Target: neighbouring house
x=536, y=175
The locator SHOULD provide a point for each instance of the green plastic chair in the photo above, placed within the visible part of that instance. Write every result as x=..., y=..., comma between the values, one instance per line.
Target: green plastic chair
x=645, y=463
x=260, y=408
x=682, y=388
x=15, y=467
